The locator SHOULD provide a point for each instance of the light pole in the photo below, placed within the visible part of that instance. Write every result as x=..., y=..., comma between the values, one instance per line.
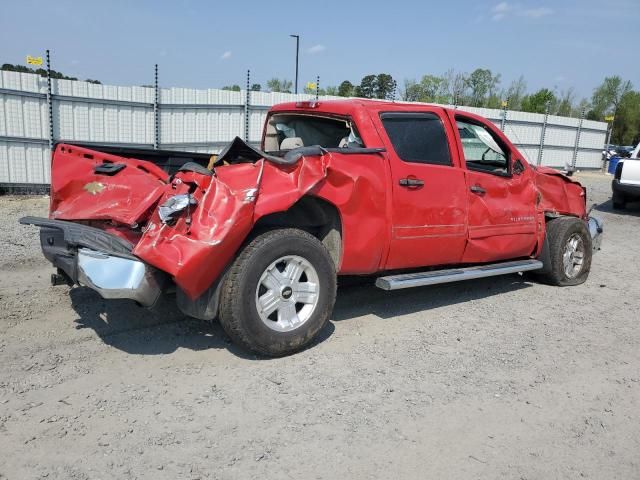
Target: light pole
x=297, y=37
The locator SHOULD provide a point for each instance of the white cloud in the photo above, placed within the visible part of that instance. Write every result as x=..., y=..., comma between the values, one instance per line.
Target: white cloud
x=226, y=55
x=537, y=12
x=316, y=49
x=502, y=7
x=502, y=10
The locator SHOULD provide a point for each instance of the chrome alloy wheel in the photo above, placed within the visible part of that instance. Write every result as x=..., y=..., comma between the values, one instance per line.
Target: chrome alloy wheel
x=287, y=293
x=573, y=256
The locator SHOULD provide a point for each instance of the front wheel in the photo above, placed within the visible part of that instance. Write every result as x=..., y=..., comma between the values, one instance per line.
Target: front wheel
x=278, y=293
x=570, y=252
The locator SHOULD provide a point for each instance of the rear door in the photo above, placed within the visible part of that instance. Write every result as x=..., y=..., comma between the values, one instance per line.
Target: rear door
x=502, y=195
x=429, y=201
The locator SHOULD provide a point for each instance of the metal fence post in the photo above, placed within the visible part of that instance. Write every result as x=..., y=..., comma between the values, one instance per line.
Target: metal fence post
x=50, y=102
x=543, y=133
x=503, y=122
x=156, y=110
x=246, y=107
x=577, y=144
x=317, y=87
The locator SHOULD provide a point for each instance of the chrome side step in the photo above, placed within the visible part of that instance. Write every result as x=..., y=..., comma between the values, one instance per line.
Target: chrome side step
x=419, y=279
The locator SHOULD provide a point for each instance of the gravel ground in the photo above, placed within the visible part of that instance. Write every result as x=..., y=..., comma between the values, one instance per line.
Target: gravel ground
x=495, y=378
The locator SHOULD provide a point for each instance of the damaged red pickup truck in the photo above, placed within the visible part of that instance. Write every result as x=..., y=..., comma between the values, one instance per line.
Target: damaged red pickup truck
x=414, y=194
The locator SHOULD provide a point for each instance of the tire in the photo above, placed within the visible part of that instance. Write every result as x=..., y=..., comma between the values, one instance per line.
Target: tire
x=618, y=201
x=560, y=232
x=260, y=276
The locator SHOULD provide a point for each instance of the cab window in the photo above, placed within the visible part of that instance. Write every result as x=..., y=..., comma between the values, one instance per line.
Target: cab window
x=417, y=137
x=482, y=149
x=286, y=131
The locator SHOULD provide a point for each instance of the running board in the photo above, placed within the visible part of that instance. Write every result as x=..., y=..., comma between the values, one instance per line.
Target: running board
x=408, y=280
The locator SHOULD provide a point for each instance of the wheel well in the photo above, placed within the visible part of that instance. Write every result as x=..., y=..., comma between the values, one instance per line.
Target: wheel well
x=311, y=214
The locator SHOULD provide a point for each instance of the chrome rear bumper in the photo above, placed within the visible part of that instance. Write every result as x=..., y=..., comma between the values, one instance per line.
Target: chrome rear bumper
x=96, y=259
x=116, y=277
x=595, y=229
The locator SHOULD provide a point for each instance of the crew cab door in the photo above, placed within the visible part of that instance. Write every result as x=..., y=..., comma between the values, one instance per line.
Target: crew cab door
x=501, y=191
x=428, y=191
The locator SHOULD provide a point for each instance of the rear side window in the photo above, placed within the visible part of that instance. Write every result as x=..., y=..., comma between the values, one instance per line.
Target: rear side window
x=417, y=137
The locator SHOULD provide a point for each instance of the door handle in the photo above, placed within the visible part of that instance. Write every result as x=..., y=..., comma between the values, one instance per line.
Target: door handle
x=411, y=182
x=478, y=190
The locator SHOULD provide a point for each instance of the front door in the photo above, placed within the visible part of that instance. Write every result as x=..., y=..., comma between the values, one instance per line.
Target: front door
x=428, y=190
x=502, y=195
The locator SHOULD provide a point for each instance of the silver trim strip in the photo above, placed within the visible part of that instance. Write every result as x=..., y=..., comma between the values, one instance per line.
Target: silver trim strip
x=408, y=280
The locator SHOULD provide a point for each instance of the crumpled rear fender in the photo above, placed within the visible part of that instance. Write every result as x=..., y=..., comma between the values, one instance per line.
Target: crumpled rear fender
x=197, y=253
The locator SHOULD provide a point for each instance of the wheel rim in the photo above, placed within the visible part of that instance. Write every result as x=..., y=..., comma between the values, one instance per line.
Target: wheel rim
x=287, y=293
x=573, y=256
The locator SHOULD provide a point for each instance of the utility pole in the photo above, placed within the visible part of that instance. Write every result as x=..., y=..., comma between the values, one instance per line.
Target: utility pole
x=297, y=37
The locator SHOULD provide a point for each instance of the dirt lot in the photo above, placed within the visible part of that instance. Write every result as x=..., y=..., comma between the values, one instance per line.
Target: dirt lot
x=498, y=378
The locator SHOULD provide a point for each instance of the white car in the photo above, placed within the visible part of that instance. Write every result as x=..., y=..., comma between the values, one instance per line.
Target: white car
x=626, y=180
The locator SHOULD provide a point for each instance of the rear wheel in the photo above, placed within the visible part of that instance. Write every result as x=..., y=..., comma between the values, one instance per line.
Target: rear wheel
x=279, y=292
x=570, y=252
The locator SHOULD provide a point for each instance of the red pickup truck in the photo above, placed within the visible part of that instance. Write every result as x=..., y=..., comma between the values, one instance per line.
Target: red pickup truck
x=413, y=194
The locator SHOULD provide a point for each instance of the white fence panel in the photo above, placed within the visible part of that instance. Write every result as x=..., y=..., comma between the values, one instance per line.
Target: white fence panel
x=204, y=120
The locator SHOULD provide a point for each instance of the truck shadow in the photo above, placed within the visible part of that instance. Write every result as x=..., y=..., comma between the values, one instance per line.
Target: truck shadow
x=140, y=331
x=163, y=330
x=364, y=298
x=631, y=208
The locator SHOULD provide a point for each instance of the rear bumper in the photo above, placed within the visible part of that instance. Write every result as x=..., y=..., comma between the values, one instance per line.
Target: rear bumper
x=93, y=258
x=596, y=229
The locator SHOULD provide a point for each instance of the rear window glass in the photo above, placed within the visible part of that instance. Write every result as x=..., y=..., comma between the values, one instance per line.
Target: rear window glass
x=418, y=137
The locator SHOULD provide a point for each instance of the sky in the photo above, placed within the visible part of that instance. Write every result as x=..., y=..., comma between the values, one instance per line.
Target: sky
x=199, y=44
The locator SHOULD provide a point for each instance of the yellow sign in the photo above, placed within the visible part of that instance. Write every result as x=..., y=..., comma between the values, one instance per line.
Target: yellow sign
x=311, y=85
x=609, y=118
x=34, y=60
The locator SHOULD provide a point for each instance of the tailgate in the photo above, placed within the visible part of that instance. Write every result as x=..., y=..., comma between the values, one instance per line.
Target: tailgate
x=91, y=185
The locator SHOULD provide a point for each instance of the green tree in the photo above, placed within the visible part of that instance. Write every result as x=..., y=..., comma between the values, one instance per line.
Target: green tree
x=367, y=87
x=233, y=88
x=346, y=89
x=256, y=87
x=279, y=85
x=40, y=71
x=537, y=102
x=332, y=90
x=429, y=90
x=607, y=97
x=565, y=103
x=481, y=82
x=384, y=86
x=455, y=87
x=626, y=123
x=515, y=93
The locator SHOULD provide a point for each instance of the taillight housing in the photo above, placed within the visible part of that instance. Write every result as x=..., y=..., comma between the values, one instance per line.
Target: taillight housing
x=618, y=173
x=308, y=104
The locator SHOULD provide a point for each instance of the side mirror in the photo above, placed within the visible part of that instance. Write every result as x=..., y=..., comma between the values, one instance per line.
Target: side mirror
x=518, y=167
